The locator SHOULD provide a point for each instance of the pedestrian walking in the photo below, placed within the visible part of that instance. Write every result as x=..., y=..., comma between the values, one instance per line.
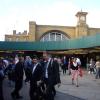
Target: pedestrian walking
x=19, y=71
x=1, y=79
x=74, y=71
x=35, y=80
x=97, y=69
x=51, y=76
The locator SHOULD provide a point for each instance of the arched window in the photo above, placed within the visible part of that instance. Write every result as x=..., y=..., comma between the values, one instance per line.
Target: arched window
x=54, y=36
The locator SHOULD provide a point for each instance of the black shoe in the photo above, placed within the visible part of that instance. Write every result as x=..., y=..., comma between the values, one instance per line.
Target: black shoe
x=54, y=93
x=19, y=97
x=77, y=85
x=13, y=95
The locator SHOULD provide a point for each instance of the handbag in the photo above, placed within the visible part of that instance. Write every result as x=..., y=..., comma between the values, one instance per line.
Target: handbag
x=80, y=72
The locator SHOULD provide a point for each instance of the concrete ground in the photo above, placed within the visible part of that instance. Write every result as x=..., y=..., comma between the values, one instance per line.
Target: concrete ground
x=89, y=89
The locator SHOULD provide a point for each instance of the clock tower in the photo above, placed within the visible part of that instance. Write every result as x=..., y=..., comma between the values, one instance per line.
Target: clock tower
x=81, y=17
x=81, y=27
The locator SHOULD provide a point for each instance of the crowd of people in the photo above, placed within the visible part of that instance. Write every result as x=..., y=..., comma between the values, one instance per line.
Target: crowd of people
x=42, y=74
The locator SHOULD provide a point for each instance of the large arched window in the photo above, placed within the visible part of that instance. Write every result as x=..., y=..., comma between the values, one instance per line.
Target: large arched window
x=54, y=36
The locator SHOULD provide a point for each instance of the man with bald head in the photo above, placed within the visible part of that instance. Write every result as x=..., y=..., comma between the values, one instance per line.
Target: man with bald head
x=51, y=76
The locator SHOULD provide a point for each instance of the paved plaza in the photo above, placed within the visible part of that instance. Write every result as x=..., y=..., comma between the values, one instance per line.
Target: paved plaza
x=89, y=89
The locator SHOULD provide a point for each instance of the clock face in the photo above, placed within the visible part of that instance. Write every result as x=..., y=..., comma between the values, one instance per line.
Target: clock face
x=82, y=18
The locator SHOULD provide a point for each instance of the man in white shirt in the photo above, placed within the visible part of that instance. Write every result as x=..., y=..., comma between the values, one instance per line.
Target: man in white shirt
x=35, y=79
x=51, y=76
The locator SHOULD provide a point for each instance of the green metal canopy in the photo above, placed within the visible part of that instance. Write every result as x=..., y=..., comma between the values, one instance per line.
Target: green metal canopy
x=80, y=43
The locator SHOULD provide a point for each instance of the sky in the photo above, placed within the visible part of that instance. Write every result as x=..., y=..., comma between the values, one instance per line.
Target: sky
x=16, y=14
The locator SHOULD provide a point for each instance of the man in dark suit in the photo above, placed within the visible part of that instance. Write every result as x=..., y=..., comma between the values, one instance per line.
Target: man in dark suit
x=1, y=79
x=35, y=79
x=51, y=76
x=18, y=78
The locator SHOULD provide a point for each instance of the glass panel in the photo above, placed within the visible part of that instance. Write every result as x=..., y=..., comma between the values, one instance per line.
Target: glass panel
x=52, y=36
x=58, y=37
x=42, y=39
x=46, y=37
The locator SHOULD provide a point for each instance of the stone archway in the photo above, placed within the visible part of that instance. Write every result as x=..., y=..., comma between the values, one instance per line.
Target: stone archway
x=54, y=35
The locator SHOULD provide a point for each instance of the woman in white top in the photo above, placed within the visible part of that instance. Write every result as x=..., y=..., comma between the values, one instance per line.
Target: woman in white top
x=74, y=71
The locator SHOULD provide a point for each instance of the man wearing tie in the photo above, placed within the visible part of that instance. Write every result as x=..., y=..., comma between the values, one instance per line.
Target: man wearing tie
x=35, y=79
x=51, y=76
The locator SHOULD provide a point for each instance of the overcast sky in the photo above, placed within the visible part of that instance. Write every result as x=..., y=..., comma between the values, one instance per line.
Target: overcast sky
x=16, y=14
